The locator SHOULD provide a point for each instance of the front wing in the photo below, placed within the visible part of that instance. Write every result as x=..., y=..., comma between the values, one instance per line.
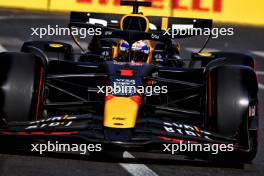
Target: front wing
x=149, y=133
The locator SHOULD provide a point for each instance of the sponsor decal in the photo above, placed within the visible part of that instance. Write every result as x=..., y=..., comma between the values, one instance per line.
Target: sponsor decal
x=184, y=129
x=52, y=122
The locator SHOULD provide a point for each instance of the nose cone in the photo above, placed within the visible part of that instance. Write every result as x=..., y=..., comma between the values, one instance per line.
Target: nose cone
x=121, y=112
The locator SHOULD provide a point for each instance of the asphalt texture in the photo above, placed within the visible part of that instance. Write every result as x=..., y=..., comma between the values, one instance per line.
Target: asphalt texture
x=15, y=28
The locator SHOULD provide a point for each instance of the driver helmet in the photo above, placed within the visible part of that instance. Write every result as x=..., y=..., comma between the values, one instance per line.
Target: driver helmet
x=139, y=50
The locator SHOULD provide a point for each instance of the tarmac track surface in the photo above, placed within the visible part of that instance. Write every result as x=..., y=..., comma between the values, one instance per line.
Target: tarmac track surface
x=15, y=28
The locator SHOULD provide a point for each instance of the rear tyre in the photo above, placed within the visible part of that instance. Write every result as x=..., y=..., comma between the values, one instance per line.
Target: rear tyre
x=231, y=92
x=49, y=50
x=225, y=58
x=21, y=86
x=221, y=59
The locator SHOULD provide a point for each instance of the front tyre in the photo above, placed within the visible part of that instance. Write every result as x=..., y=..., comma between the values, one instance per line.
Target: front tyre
x=21, y=86
x=232, y=108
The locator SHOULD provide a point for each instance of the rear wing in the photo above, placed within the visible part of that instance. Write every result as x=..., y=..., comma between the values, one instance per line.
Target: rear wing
x=157, y=23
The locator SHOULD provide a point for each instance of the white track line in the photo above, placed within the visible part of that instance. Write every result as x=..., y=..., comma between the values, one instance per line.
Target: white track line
x=260, y=73
x=13, y=41
x=258, y=53
x=136, y=169
x=261, y=86
x=2, y=49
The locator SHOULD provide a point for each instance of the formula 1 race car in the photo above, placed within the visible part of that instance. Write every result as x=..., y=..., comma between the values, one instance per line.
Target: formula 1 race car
x=130, y=90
